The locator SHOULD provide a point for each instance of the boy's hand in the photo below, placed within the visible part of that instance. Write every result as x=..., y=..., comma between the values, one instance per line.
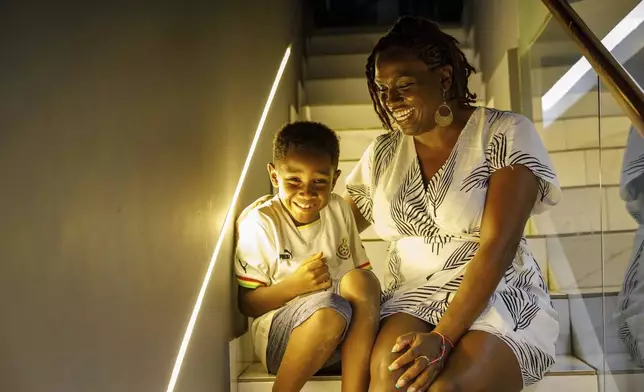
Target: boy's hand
x=312, y=275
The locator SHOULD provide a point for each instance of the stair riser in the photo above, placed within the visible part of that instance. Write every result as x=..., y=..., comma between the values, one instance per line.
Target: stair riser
x=350, y=65
x=357, y=42
x=593, y=329
x=355, y=91
x=549, y=384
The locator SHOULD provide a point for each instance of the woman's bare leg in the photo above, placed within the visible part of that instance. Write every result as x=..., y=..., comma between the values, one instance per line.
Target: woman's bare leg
x=382, y=380
x=468, y=367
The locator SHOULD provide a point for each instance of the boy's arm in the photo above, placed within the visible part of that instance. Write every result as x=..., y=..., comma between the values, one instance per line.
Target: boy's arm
x=311, y=275
x=259, y=301
x=256, y=256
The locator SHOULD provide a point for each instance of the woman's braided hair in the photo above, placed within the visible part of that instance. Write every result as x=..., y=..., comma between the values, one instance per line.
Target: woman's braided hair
x=424, y=38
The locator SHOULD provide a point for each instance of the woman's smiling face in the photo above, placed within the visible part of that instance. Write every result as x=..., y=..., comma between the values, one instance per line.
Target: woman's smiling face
x=409, y=91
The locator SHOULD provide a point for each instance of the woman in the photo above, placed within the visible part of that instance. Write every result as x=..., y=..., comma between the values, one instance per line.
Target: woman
x=452, y=186
x=630, y=303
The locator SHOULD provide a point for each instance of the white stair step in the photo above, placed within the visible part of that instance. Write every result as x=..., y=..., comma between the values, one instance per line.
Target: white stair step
x=568, y=373
x=325, y=44
x=329, y=66
x=340, y=117
x=350, y=91
x=356, y=40
x=584, y=262
x=582, y=167
x=563, y=346
x=544, y=78
x=585, y=132
x=353, y=143
x=351, y=65
x=595, y=339
x=580, y=212
x=575, y=105
x=553, y=53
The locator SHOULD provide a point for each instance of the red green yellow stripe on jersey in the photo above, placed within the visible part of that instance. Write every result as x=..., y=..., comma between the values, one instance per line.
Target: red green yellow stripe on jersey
x=249, y=283
x=365, y=266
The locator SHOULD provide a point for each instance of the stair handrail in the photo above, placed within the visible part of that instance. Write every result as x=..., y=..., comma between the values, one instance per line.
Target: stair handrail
x=624, y=88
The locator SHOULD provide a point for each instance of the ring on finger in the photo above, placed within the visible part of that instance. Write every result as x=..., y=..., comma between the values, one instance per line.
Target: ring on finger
x=425, y=358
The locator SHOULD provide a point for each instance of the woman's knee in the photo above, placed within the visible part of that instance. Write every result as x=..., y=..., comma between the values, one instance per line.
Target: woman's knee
x=360, y=285
x=380, y=367
x=382, y=379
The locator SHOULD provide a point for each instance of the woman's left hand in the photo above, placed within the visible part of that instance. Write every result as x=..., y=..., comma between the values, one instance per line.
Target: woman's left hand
x=427, y=353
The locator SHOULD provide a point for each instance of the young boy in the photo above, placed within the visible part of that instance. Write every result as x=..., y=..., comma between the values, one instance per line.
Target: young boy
x=303, y=273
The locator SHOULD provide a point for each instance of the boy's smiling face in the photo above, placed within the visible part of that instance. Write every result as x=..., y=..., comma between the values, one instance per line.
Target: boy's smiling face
x=305, y=180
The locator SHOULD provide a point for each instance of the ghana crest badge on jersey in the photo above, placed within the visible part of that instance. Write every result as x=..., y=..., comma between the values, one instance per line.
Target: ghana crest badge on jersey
x=343, y=251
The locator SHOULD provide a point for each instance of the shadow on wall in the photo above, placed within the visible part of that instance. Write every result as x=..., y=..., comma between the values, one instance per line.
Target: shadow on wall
x=123, y=135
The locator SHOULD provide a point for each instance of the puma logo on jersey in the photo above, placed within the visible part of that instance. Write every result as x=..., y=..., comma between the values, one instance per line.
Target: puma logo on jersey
x=286, y=255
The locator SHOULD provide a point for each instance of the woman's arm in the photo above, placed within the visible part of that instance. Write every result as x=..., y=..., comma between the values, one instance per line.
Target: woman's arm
x=361, y=222
x=511, y=194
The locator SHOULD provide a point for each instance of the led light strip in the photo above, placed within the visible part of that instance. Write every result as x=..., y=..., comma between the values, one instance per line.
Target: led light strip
x=227, y=221
x=625, y=27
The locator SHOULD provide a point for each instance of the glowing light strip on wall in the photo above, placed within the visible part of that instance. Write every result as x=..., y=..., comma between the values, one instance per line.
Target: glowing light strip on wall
x=622, y=30
x=227, y=221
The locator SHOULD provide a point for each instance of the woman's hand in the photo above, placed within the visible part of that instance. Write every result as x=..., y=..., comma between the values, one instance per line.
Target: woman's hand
x=426, y=354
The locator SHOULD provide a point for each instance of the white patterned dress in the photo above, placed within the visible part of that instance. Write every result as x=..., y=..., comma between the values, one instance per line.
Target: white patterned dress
x=630, y=303
x=434, y=230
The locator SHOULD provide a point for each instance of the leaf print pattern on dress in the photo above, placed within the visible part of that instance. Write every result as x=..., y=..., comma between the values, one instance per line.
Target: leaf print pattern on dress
x=409, y=207
x=361, y=195
x=521, y=305
x=533, y=361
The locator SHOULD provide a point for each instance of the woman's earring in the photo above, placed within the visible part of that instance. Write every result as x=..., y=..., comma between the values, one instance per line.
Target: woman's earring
x=444, y=119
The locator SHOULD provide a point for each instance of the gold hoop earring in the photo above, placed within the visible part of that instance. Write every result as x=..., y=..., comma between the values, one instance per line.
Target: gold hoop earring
x=444, y=120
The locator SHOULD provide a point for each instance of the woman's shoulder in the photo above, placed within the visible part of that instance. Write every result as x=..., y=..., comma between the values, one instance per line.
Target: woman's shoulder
x=496, y=118
x=387, y=140
x=502, y=123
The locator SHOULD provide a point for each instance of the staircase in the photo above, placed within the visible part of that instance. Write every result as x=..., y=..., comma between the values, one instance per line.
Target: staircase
x=566, y=241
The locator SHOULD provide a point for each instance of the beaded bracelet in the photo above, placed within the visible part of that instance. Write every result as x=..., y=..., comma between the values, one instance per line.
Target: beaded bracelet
x=445, y=339
x=443, y=347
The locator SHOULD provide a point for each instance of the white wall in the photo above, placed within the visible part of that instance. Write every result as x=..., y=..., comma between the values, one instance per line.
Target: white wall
x=123, y=130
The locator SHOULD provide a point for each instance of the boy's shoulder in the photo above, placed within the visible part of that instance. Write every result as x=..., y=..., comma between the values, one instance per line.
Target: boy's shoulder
x=262, y=211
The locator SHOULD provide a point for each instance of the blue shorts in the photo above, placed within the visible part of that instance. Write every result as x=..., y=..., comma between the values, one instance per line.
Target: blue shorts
x=293, y=314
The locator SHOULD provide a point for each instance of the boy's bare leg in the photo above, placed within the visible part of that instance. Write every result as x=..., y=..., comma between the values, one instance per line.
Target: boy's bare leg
x=309, y=347
x=362, y=290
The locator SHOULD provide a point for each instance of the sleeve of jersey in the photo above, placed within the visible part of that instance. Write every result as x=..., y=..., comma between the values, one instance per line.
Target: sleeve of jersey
x=360, y=259
x=254, y=255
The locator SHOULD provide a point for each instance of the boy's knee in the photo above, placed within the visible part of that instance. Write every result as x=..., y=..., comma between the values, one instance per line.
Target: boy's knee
x=328, y=323
x=333, y=312
x=360, y=285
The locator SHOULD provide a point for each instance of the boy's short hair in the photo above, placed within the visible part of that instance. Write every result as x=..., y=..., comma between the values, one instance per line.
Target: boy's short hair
x=308, y=135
